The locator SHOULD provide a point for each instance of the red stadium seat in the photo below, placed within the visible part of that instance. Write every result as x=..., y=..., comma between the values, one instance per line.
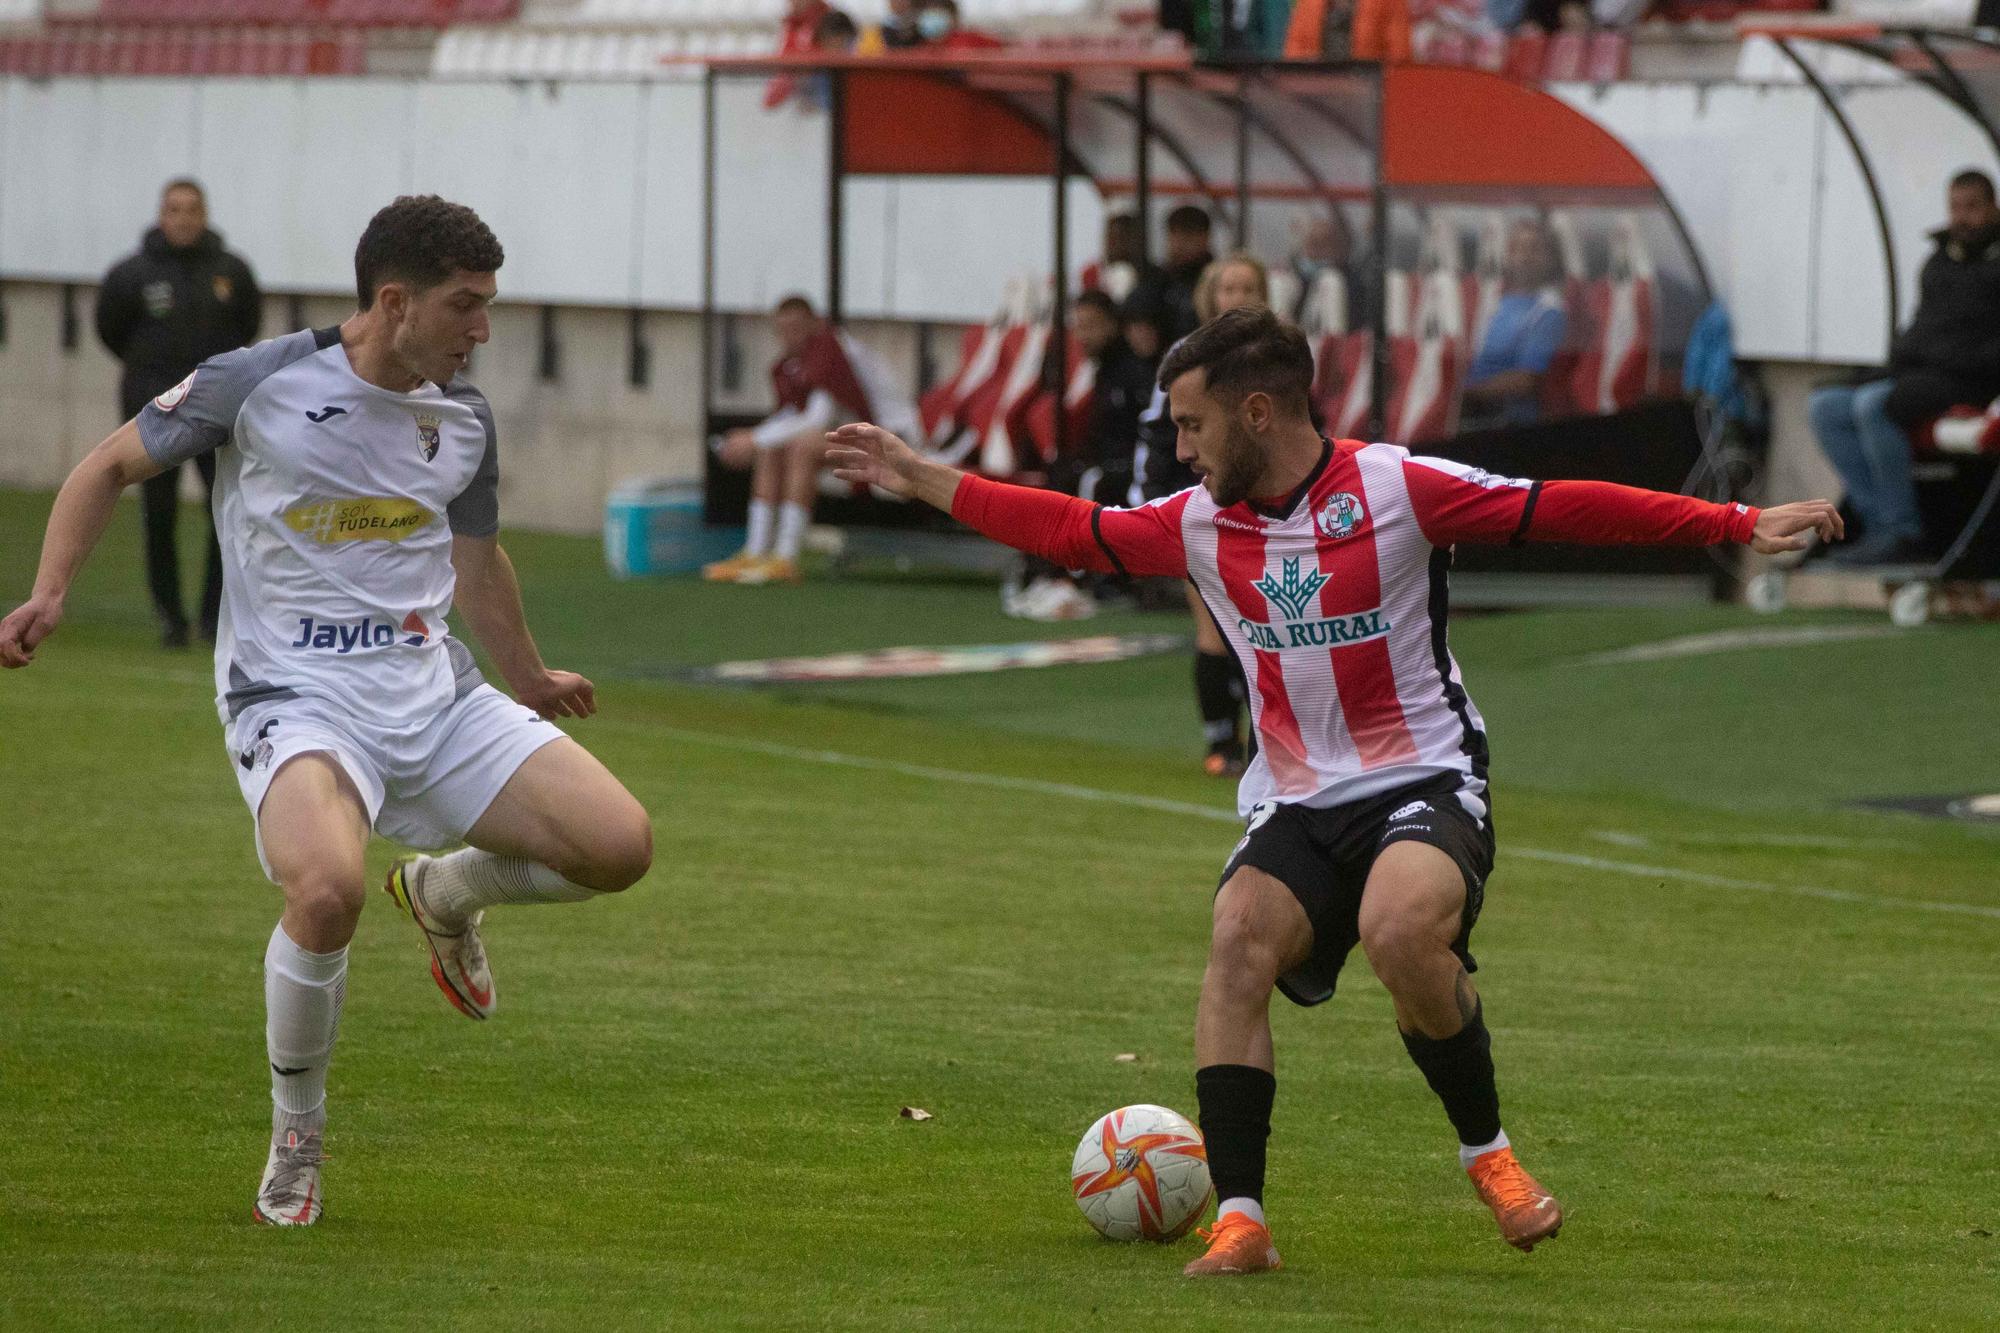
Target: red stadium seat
x=1619, y=360
x=1609, y=58
x=1527, y=53
x=1566, y=58
x=1964, y=430
x=1343, y=381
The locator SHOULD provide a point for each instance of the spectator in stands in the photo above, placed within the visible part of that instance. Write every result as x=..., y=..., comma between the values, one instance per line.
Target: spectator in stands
x=1312, y=290
x=1503, y=387
x=937, y=24
x=1219, y=688
x=835, y=33
x=1121, y=388
x=821, y=379
x=163, y=311
x=1168, y=292
x=1949, y=356
x=1349, y=29
x=1098, y=464
x=1124, y=263
x=796, y=37
x=899, y=30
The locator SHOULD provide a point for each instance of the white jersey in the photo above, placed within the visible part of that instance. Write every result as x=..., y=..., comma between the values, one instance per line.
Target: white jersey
x=335, y=506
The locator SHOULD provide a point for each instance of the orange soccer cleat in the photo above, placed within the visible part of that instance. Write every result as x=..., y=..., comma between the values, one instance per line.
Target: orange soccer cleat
x=1527, y=1213
x=732, y=569
x=1236, y=1246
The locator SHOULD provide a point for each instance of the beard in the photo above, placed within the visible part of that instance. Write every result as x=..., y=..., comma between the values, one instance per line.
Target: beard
x=1237, y=467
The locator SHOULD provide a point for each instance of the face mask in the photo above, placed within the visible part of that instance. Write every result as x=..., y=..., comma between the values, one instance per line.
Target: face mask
x=933, y=24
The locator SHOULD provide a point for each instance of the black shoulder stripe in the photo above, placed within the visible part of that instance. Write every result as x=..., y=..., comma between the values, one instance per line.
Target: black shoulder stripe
x=1097, y=531
x=327, y=337
x=1527, y=515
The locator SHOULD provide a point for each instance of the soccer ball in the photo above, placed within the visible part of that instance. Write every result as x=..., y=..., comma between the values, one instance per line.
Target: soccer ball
x=1141, y=1173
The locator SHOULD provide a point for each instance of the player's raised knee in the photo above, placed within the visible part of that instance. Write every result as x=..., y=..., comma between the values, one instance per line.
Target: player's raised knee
x=620, y=852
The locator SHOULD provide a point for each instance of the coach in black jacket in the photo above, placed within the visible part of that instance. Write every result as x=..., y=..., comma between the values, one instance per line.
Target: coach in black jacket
x=163, y=311
x=1949, y=356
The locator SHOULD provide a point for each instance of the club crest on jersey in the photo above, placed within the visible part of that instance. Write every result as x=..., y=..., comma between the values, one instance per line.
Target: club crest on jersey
x=1340, y=515
x=427, y=435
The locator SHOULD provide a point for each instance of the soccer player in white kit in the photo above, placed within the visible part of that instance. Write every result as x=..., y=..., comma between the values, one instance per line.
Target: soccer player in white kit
x=1368, y=812
x=356, y=502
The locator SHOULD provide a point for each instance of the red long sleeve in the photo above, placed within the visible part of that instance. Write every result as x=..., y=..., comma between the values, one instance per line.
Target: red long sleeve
x=1455, y=503
x=1074, y=533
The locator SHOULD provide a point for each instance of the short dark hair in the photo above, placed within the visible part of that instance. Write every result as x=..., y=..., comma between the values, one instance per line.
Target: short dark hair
x=1100, y=301
x=1187, y=218
x=1974, y=179
x=185, y=183
x=422, y=240
x=795, y=305
x=1247, y=350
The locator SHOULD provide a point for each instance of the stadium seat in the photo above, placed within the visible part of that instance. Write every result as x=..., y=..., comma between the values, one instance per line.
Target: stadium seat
x=1567, y=54
x=1620, y=352
x=1527, y=54
x=1609, y=58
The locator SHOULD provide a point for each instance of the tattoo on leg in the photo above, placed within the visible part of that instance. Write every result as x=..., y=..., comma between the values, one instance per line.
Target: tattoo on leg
x=1468, y=998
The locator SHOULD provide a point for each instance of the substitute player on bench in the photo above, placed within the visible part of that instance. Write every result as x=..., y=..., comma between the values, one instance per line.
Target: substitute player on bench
x=1369, y=817
x=356, y=501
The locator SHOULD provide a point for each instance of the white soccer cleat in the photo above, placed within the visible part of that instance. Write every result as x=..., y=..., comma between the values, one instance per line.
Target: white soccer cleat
x=290, y=1195
x=458, y=958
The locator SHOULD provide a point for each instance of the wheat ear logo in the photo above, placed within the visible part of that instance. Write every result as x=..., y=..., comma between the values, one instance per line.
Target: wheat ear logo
x=1291, y=592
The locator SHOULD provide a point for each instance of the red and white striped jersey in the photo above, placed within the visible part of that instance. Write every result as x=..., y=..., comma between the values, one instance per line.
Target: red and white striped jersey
x=1334, y=598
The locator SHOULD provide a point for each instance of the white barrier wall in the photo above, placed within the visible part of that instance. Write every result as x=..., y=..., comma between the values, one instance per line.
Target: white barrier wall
x=594, y=188
x=1778, y=207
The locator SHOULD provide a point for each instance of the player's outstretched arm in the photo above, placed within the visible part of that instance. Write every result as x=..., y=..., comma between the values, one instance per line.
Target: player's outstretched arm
x=82, y=511
x=489, y=596
x=1059, y=528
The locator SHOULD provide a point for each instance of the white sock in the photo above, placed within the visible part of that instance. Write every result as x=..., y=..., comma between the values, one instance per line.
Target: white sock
x=758, y=540
x=303, y=993
x=792, y=520
x=456, y=886
x=1250, y=1208
x=1466, y=1152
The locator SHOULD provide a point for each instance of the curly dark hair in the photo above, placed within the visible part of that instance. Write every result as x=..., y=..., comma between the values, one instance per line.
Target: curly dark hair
x=422, y=240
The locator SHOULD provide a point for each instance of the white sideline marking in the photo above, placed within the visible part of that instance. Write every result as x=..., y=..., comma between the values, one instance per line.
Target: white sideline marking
x=1161, y=804
x=1736, y=640
x=1071, y=791
x=1756, y=885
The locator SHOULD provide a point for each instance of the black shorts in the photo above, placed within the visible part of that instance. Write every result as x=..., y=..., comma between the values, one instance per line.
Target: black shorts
x=1323, y=857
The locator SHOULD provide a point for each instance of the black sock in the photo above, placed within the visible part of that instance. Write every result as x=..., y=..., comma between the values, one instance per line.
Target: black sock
x=1235, y=1122
x=1459, y=1069
x=1215, y=676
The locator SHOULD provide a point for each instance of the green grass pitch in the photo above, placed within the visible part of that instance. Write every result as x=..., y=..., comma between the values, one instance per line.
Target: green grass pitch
x=1762, y=1108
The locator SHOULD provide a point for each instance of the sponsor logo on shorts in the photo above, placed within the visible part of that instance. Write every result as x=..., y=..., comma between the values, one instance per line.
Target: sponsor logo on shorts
x=175, y=396
x=341, y=638
x=386, y=519
x=260, y=752
x=1413, y=808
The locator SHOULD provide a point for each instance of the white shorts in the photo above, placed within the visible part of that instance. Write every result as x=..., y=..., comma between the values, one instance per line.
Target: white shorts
x=423, y=786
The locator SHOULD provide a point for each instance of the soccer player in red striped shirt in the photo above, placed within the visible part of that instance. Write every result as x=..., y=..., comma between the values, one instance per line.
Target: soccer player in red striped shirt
x=1369, y=817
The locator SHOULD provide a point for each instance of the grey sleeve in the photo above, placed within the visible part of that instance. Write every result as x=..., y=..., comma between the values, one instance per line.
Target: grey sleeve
x=198, y=415
x=476, y=511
